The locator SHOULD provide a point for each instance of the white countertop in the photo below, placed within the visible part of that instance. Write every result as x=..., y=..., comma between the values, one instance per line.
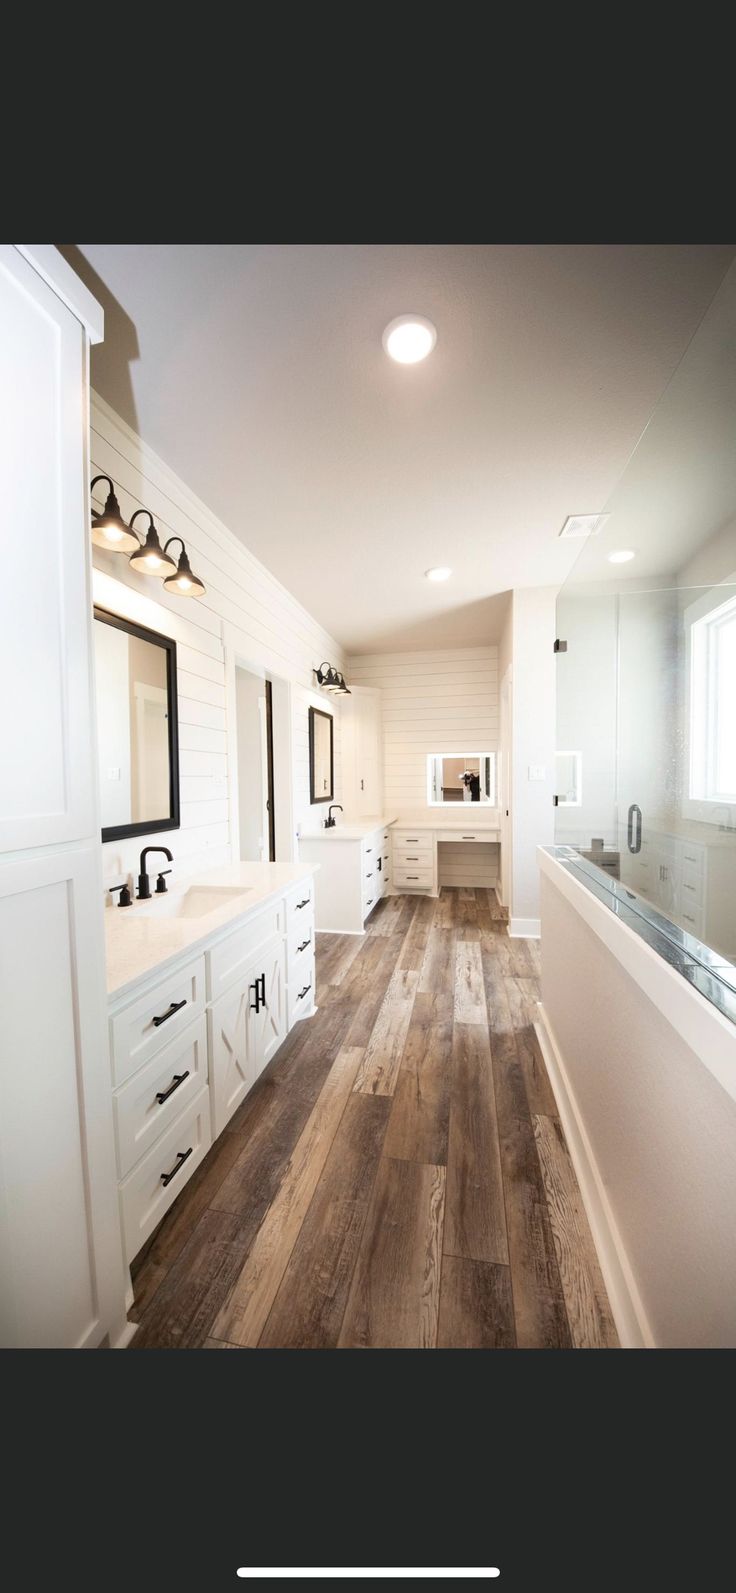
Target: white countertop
x=138, y=944
x=353, y=830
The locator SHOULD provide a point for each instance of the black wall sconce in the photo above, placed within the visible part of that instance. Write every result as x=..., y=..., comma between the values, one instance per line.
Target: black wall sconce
x=108, y=527
x=331, y=680
x=110, y=531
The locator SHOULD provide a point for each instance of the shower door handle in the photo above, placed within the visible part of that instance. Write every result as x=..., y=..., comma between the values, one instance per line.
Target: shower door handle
x=634, y=813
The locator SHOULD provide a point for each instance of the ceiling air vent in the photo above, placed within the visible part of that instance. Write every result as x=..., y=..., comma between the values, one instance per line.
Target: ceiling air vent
x=583, y=525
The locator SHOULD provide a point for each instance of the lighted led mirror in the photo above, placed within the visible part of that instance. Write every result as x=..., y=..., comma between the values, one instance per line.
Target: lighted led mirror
x=568, y=779
x=454, y=777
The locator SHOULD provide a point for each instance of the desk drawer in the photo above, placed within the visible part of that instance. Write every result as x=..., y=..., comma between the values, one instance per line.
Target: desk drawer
x=413, y=877
x=151, y=1022
x=467, y=833
x=413, y=841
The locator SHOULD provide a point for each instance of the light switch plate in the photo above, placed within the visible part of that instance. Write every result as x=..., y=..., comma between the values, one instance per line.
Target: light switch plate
x=537, y=771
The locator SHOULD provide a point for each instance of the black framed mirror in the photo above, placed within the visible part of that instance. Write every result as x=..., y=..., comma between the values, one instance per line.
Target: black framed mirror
x=321, y=757
x=137, y=728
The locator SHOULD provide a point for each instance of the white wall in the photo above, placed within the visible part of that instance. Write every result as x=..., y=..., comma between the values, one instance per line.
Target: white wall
x=533, y=744
x=659, y=1126
x=245, y=610
x=439, y=701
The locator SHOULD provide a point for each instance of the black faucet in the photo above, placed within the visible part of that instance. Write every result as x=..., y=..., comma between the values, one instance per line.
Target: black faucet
x=144, y=884
x=329, y=821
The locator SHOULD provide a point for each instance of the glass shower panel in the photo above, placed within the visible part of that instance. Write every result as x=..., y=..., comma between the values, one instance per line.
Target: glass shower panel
x=646, y=671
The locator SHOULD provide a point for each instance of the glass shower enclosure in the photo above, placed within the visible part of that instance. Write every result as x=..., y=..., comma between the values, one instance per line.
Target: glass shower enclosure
x=645, y=777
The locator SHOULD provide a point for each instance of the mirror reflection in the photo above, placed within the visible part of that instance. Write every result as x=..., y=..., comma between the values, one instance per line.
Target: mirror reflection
x=461, y=777
x=320, y=756
x=136, y=729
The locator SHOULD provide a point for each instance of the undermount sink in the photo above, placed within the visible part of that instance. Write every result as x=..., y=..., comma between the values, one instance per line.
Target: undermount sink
x=193, y=903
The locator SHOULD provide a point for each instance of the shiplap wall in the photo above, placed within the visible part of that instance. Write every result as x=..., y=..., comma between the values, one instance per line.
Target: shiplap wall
x=442, y=701
x=245, y=611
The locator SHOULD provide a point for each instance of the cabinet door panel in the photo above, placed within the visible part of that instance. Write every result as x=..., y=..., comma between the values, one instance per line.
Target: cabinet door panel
x=268, y=1026
x=231, y=1053
x=46, y=775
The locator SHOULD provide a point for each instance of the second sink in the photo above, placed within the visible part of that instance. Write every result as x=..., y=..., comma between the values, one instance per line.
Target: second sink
x=193, y=903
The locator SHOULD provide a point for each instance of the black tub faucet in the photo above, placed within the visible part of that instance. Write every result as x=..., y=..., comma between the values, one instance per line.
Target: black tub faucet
x=144, y=884
x=329, y=821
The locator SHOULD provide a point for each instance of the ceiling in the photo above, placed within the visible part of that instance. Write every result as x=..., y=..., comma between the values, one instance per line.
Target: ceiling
x=257, y=373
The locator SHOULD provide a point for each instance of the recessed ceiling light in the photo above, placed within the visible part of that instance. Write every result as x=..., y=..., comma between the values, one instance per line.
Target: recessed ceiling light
x=409, y=338
x=621, y=556
x=440, y=573
x=583, y=525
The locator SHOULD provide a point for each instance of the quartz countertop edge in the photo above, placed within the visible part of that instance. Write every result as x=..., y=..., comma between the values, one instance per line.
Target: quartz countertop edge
x=357, y=829
x=139, y=946
x=352, y=830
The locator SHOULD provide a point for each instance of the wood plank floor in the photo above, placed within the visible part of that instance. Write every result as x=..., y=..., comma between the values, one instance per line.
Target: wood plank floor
x=398, y=1178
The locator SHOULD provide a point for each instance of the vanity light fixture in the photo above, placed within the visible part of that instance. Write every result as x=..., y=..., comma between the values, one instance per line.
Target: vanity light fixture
x=108, y=526
x=330, y=679
x=183, y=581
x=621, y=556
x=409, y=339
x=149, y=557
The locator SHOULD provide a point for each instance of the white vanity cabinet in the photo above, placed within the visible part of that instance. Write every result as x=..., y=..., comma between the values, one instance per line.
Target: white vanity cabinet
x=189, y=1043
x=352, y=878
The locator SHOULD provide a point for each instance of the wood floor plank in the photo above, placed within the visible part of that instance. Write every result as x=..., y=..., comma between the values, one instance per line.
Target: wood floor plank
x=310, y=1305
x=588, y=1312
x=469, y=995
x=540, y=1314
x=243, y=1317
x=419, y=1124
x=437, y=973
x=394, y=1298
x=379, y=1068
x=521, y=996
x=341, y=959
x=476, y=1306
x=417, y=936
x=475, y=1224
x=185, y=1305
x=219, y=1344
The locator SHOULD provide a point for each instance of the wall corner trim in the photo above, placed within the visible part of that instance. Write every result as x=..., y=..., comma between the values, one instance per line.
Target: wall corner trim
x=628, y=1310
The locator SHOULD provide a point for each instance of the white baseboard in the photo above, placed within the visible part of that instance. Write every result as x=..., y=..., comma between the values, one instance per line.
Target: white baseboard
x=123, y=1337
x=629, y=1315
x=525, y=928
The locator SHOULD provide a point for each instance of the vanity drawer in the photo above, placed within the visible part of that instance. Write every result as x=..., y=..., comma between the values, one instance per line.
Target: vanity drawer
x=693, y=856
x=467, y=833
x=412, y=857
x=229, y=958
x=370, y=897
x=692, y=890
x=691, y=918
x=301, y=989
x=151, y=1022
x=300, y=901
x=144, y=1196
x=413, y=877
x=299, y=960
x=412, y=841
x=140, y=1117
x=300, y=934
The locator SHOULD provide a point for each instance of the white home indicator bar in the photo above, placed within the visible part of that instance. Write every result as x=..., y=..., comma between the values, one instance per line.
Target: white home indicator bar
x=291, y=1571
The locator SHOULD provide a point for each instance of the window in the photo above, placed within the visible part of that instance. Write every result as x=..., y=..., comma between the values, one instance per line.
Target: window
x=454, y=777
x=569, y=779
x=713, y=705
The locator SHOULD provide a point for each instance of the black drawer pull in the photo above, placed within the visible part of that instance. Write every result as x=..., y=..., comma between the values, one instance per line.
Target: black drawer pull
x=468, y=837
x=304, y=945
x=369, y=849
x=182, y=1157
x=412, y=859
x=175, y=1007
x=303, y=992
x=412, y=876
x=412, y=840
x=163, y=1095
x=305, y=903
x=369, y=876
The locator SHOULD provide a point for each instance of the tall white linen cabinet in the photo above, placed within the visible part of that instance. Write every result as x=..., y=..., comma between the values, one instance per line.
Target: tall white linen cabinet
x=62, y=1279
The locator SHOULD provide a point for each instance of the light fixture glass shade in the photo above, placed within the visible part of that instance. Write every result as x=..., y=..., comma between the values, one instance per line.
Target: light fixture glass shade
x=183, y=581
x=108, y=526
x=150, y=558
